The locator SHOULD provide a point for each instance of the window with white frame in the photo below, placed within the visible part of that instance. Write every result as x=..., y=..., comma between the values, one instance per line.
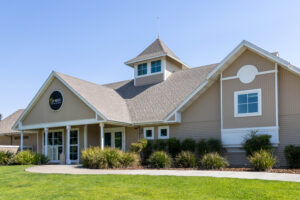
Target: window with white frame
x=142, y=69
x=156, y=66
x=247, y=103
x=163, y=132
x=149, y=133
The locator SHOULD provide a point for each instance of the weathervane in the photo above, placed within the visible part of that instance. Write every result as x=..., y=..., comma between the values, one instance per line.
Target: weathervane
x=158, y=27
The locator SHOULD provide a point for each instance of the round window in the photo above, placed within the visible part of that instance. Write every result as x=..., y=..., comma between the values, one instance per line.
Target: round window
x=56, y=100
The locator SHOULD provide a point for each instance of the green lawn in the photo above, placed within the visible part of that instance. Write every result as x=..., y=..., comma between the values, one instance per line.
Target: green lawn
x=15, y=183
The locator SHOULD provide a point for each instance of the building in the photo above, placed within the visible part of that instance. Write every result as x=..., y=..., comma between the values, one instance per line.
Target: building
x=249, y=90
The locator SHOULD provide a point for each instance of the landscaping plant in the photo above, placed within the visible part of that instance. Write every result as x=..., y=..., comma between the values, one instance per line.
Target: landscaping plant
x=254, y=142
x=212, y=145
x=5, y=157
x=159, y=159
x=186, y=159
x=174, y=146
x=213, y=161
x=188, y=144
x=262, y=160
x=292, y=155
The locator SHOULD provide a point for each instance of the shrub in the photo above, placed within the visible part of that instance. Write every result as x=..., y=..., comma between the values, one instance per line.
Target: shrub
x=5, y=157
x=160, y=145
x=136, y=147
x=214, y=145
x=129, y=159
x=202, y=148
x=93, y=158
x=292, y=155
x=188, y=144
x=112, y=157
x=186, y=159
x=159, y=159
x=24, y=158
x=40, y=159
x=213, y=161
x=173, y=146
x=254, y=142
x=262, y=160
x=146, y=152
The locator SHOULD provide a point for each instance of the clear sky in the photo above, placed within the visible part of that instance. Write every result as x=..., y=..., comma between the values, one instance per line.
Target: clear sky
x=92, y=39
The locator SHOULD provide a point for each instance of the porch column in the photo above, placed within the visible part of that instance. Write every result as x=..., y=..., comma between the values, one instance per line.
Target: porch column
x=21, y=140
x=68, y=161
x=85, y=137
x=102, y=135
x=46, y=142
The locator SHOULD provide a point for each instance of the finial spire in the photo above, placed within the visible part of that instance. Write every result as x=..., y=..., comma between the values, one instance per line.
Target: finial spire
x=158, y=27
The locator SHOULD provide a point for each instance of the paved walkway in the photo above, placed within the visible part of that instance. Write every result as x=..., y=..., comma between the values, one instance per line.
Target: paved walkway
x=77, y=169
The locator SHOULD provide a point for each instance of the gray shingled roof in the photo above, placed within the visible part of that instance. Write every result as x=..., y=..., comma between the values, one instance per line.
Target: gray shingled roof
x=124, y=102
x=157, y=48
x=7, y=123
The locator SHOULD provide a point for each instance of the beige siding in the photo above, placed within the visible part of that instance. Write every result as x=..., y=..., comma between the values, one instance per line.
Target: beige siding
x=72, y=109
x=248, y=58
x=171, y=66
x=268, y=118
x=5, y=140
x=132, y=135
x=289, y=111
x=30, y=140
x=151, y=79
x=202, y=118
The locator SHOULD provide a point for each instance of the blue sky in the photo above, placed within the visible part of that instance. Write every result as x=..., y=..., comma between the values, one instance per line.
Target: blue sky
x=92, y=39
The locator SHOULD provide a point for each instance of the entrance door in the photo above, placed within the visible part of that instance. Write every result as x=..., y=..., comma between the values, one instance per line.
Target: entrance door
x=74, y=145
x=115, y=138
x=55, y=145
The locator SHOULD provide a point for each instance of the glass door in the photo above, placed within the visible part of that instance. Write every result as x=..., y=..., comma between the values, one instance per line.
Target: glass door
x=55, y=145
x=74, y=146
x=115, y=138
x=107, y=139
x=118, y=140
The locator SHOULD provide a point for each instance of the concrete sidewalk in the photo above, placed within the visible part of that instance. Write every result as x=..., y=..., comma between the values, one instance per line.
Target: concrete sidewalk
x=77, y=169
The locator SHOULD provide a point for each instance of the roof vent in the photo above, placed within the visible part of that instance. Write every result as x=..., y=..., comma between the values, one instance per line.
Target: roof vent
x=276, y=53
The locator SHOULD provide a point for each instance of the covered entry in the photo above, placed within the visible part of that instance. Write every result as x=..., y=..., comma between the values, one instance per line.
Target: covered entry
x=114, y=137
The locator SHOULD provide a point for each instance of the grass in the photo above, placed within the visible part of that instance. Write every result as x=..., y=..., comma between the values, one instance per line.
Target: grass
x=15, y=183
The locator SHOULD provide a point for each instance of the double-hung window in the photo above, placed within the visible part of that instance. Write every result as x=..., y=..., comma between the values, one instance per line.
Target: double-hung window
x=156, y=66
x=247, y=103
x=142, y=69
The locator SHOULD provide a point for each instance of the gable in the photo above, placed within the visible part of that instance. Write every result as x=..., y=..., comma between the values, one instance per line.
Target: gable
x=248, y=58
x=72, y=109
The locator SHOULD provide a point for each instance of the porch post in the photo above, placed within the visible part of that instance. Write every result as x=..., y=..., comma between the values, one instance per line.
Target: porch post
x=102, y=135
x=85, y=137
x=68, y=161
x=46, y=141
x=21, y=140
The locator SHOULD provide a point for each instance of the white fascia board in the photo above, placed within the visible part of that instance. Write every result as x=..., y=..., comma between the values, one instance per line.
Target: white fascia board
x=34, y=100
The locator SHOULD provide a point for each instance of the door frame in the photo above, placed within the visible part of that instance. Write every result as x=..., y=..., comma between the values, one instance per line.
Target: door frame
x=112, y=131
x=63, y=142
x=78, y=144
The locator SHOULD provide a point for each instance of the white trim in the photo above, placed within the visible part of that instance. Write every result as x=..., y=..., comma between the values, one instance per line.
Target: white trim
x=41, y=91
x=45, y=141
x=59, y=124
x=68, y=161
x=237, y=93
x=9, y=146
x=113, y=131
x=101, y=135
x=235, y=137
x=147, y=129
x=259, y=73
x=21, y=140
x=276, y=93
x=168, y=132
x=240, y=48
x=221, y=100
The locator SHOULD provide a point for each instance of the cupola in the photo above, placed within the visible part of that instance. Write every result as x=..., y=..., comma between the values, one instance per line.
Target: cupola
x=155, y=64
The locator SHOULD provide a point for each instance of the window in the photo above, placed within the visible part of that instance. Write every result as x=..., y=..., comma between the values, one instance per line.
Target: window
x=155, y=66
x=247, y=103
x=149, y=133
x=142, y=69
x=163, y=132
